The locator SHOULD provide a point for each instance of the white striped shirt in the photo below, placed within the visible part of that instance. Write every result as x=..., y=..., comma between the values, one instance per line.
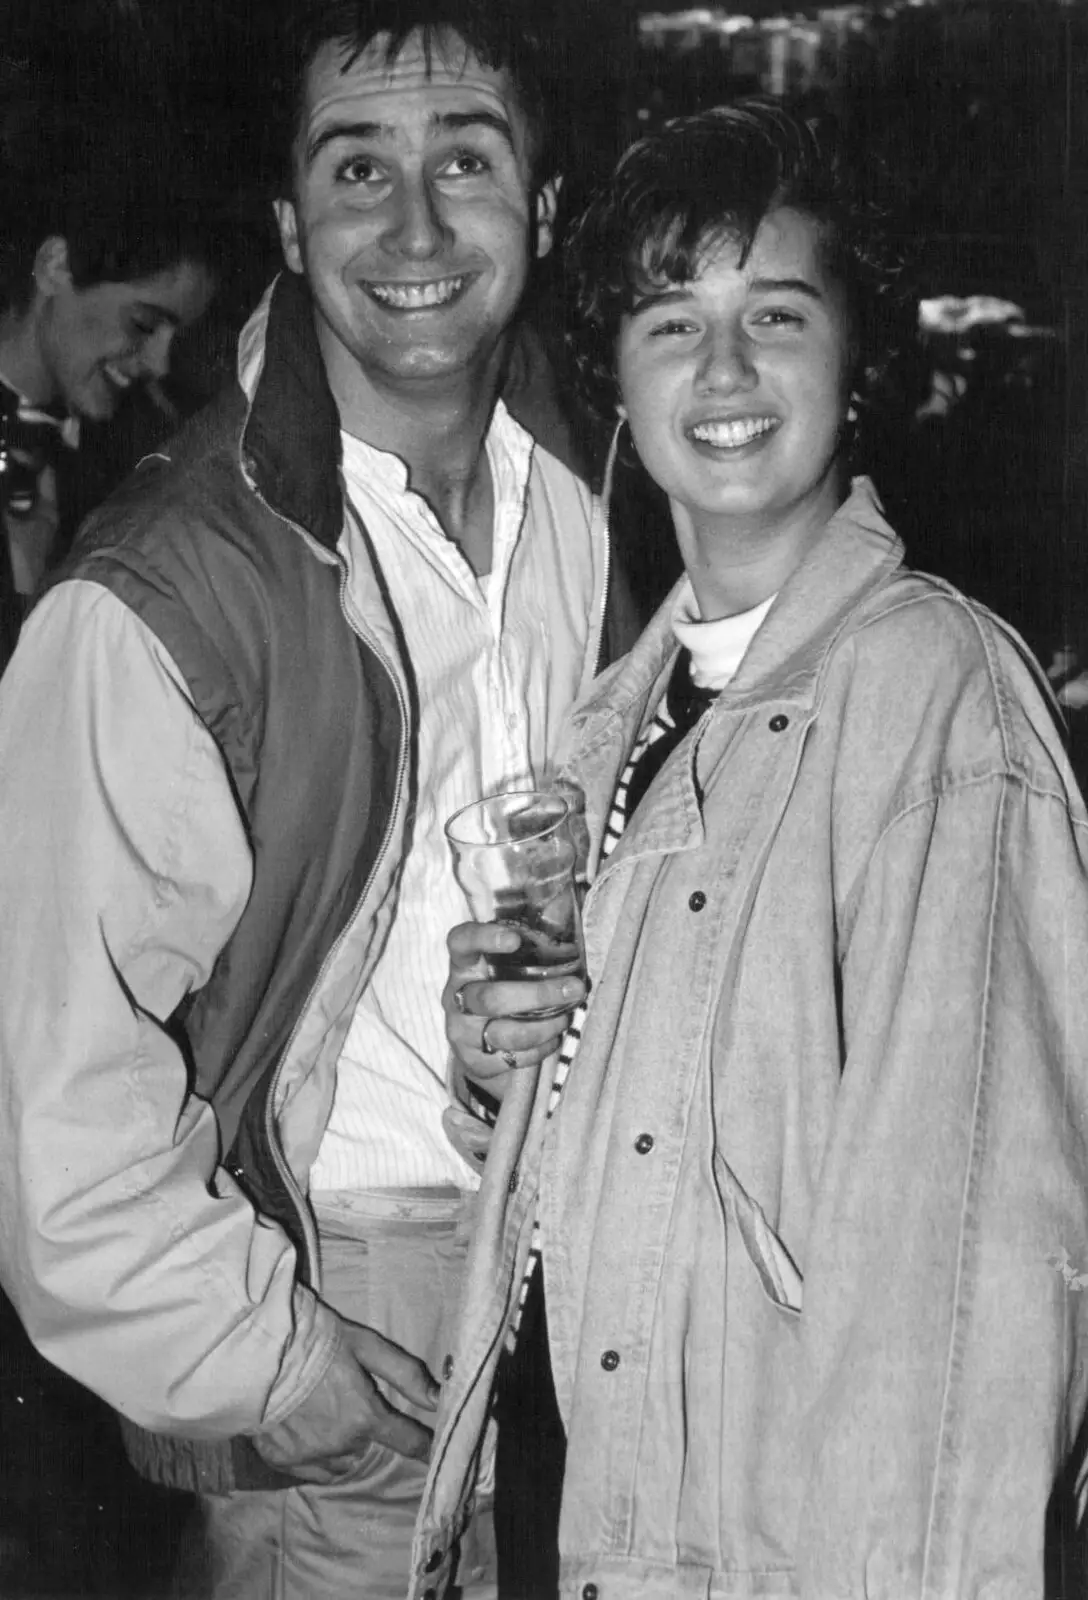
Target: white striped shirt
x=497, y=662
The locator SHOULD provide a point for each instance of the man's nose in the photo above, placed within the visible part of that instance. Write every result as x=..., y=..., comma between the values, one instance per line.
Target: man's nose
x=726, y=360
x=417, y=229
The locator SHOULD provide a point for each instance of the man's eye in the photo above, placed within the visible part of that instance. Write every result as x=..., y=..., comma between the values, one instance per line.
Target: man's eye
x=466, y=164
x=142, y=328
x=356, y=169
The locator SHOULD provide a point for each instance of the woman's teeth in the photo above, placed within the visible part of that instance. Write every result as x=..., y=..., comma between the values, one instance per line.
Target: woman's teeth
x=729, y=435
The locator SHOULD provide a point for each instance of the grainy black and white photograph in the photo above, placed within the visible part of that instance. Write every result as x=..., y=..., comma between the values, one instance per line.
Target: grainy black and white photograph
x=543, y=850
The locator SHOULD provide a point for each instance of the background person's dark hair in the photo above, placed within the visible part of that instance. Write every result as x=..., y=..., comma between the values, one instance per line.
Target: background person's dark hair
x=715, y=176
x=527, y=41
x=123, y=196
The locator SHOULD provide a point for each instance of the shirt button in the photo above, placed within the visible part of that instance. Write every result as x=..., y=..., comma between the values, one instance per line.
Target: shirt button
x=777, y=724
x=697, y=901
x=434, y=1561
x=610, y=1360
x=644, y=1143
x=447, y=1373
x=512, y=1186
x=589, y=1591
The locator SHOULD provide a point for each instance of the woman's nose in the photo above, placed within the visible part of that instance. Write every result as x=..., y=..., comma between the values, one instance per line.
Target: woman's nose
x=417, y=230
x=725, y=360
x=155, y=355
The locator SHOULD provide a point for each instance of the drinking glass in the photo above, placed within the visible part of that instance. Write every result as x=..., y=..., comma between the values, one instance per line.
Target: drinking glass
x=514, y=857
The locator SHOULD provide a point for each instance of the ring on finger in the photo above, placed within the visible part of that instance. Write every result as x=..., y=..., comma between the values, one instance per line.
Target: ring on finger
x=485, y=1044
x=459, y=999
x=510, y=1057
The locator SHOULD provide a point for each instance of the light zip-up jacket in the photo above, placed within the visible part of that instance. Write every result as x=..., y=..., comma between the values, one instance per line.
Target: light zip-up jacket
x=175, y=996
x=814, y=1202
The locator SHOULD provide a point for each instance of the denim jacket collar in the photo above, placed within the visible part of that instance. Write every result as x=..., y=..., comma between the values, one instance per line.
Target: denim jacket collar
x=854, y=556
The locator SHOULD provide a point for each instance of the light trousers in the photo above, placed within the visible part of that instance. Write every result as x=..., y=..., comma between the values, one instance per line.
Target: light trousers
x=392, y=1260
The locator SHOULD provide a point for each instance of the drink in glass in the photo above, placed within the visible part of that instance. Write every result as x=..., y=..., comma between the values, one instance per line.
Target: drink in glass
x=513, y=855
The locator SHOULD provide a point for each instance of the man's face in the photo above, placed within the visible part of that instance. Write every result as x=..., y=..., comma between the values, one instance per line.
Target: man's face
x=413, y=211
x=99, y=341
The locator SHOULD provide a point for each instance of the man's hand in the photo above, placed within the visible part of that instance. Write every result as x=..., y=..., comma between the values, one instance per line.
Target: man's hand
x=474, y=1002
x=328, y=1436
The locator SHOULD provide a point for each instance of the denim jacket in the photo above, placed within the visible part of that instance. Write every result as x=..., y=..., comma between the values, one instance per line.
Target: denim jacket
x=814, y=1199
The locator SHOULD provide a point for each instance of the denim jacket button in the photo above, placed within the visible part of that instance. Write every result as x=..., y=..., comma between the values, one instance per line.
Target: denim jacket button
x=610, y=1360
x=589, y=1591
x=697, y=901
x=644, y=1143
x=777, y=724
x=447, y=1368
x=434, y=1561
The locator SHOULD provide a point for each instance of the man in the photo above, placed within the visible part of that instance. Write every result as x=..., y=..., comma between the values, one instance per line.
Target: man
x=230, y=737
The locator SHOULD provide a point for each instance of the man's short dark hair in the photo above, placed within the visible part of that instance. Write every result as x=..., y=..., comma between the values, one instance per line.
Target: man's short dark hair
x=501, y=34
x=713, y=177
x=123, y=196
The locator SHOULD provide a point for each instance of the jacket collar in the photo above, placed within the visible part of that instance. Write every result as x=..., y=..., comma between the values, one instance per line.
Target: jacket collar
x=855, y=555
x=291, y=436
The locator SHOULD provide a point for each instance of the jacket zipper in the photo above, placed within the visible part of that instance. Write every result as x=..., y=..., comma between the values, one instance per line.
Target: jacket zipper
x=309, y=1232
x=604, y=596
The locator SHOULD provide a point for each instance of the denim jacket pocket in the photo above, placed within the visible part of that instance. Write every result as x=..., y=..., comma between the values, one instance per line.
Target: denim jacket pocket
x=778, y=1273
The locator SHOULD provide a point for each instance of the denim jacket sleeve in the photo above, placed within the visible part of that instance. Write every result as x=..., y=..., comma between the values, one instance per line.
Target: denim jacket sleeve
x=135, y=1263
x=945, y=1326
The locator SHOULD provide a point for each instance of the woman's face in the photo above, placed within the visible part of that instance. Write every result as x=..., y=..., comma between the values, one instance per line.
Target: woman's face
x=736, y=383
x=98, y=341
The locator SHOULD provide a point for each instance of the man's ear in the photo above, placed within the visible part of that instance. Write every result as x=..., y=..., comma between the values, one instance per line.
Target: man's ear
x=52, y=270
x=287, y=222
x=547, y=201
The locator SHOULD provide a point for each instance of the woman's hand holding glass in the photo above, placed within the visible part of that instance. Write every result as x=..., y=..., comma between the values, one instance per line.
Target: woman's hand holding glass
x=488, y=1020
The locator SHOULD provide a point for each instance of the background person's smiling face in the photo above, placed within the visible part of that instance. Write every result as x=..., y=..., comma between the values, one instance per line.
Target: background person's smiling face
x=736, y=383
x=412, y=210
x=98, y=341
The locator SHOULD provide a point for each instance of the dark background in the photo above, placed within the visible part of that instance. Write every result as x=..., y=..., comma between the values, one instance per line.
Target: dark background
x=979, y=444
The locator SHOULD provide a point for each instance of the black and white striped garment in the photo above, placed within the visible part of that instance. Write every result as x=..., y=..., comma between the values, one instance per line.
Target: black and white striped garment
x=681, y=707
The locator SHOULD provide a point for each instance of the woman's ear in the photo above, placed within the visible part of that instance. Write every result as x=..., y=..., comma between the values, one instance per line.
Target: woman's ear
x=52, y=269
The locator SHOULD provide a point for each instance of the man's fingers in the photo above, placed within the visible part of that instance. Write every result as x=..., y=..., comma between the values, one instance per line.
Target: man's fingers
x=386, y=1360
x=397, y=1432
x=471, y=942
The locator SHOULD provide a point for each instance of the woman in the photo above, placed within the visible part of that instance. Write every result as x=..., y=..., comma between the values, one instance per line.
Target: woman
x=809, y=1162
x=104, y=256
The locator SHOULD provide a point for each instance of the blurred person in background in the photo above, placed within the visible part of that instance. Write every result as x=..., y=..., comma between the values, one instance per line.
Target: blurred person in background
x=791, y=1232
x=105, y=254
x=351, y=596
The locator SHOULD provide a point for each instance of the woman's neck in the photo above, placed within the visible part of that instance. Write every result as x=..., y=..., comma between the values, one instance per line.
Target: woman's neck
x=21, y=363
x=735, y=564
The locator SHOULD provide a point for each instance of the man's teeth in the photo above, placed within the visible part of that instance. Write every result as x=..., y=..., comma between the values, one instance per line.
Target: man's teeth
x=415, y=296
x=728, y=435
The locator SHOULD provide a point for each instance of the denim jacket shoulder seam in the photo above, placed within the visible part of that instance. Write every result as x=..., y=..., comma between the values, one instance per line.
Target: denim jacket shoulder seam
x=945, y=1450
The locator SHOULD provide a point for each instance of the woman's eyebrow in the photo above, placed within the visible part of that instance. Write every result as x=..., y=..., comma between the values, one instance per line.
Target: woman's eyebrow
x=668, y=294
x=786, y=286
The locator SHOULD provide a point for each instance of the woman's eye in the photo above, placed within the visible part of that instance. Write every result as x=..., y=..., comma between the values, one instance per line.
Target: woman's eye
x=142, y=329
x=674, y=326
x=779, y=317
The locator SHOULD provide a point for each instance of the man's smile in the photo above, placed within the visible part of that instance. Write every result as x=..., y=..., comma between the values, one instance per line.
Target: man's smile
x=416, y=296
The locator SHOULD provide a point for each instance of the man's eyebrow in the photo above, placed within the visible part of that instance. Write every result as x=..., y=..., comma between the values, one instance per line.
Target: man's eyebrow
x=340, y=130
x=455, y=121
x=786, y=286
x=441, y=122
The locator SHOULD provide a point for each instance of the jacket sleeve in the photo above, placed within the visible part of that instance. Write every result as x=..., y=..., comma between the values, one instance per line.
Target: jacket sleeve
x=944, y=1325
x=135, y=1263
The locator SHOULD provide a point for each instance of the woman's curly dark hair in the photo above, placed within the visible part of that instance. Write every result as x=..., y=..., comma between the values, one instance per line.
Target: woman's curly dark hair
x=715, y=176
